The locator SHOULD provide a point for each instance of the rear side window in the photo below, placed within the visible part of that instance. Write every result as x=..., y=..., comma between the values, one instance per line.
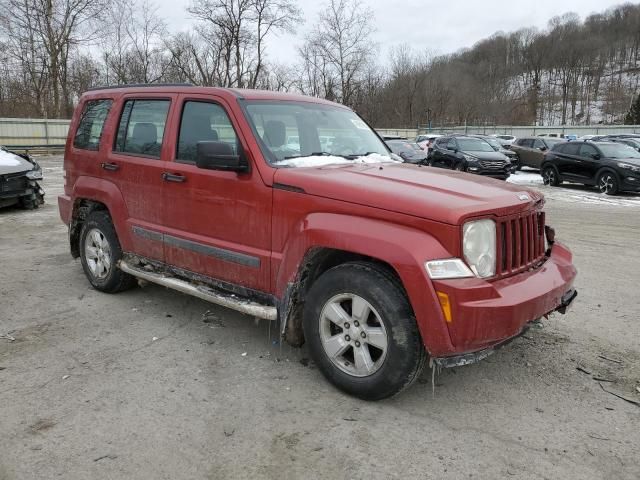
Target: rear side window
x=91, y=124
x=571, y=148
x=203, y=122
x=587, y=150
x=141, y=127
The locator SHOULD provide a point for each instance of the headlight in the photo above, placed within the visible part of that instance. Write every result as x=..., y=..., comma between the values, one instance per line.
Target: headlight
x=34, y=174
x=628, y=166
x=449, y=268
x=470, y=158
x=479, y=247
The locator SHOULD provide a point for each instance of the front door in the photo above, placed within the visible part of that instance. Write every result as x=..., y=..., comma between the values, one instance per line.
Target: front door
x=217, y=223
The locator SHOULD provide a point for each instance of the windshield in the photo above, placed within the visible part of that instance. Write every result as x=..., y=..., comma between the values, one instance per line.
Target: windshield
x=494, y=143
x=296, y=134
x=618, y=151
x=474, y=145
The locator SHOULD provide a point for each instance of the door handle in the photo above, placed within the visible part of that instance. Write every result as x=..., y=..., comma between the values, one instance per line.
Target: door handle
x=110, y=166
x=170, y=177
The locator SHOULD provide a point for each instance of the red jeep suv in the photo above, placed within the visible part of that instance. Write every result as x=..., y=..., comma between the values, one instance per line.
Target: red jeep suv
x=292, y=209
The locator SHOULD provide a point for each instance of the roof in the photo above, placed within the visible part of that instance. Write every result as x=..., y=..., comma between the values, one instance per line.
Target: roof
x=238, y=93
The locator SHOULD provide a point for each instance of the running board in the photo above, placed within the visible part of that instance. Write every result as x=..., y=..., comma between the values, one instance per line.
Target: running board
x=235, y=303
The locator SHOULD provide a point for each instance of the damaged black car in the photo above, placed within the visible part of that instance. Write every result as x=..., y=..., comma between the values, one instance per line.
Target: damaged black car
x=19, y=175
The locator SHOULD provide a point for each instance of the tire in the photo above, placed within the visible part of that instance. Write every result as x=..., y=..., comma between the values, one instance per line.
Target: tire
x=377, y=358
x=550, y=176
x=608, y=183
x=460, y=167
x=100, y=252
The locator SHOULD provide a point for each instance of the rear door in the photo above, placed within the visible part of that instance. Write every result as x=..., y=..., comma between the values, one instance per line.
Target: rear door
x=588, y=164
x=568, y=160
x=217, y=223
x=135, y=164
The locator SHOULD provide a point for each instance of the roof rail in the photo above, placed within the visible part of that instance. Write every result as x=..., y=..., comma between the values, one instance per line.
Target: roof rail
x=137, y=85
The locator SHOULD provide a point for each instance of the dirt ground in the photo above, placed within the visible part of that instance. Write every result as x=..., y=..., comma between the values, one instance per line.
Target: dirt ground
x=144, y=385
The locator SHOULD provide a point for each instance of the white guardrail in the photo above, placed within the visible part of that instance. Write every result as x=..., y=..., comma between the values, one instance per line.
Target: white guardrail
x=44, y=132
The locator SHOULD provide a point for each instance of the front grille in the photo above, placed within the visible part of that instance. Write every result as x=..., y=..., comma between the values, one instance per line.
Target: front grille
x=13, y=183
x=492, y=164
x=521, y=243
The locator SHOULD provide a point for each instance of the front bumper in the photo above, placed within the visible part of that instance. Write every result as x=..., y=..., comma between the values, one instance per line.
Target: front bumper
x=630, y=183
x=475, y=357
x=487, y=313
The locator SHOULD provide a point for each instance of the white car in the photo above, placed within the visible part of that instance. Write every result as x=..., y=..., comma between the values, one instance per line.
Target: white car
x=504, y=139
x=426, y=141
x=19, y=175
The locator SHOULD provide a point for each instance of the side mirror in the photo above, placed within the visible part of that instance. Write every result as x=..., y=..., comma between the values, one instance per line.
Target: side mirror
x=542, y=149
x=596, y=156
x=219, y=156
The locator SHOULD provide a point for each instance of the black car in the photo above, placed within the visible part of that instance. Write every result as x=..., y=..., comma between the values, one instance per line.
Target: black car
x=469, y=154
x=19, y=175
x=498, y=147
x=610, y=166
x=410, y=152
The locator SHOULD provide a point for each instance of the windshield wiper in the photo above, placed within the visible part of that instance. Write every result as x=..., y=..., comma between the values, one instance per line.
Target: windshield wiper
x=358, y=155
x=314, y=154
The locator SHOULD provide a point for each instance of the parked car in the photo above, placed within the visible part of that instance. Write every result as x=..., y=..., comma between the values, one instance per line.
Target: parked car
x=531, y=150
x=630, y=142
x=611, y=167
x=551, y=135
x=426, y=141
x=19, y=175
x=374, y=263
x=498, y=147
x=469, y=154
x=505, y=139
x=408, y=151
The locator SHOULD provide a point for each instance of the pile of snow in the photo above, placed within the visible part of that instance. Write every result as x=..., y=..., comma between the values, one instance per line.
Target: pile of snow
x=322, y=160
x=525, y=178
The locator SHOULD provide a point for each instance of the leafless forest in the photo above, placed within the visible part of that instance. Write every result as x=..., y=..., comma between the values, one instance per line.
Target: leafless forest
x=573, y=72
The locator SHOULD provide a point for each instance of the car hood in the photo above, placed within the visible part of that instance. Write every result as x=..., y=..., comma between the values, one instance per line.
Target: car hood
x=631, y=161
x=487, y=155
x=12, y=163
x=431, y=193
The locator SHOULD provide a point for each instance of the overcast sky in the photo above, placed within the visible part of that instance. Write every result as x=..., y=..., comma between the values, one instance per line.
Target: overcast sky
x=440, y=26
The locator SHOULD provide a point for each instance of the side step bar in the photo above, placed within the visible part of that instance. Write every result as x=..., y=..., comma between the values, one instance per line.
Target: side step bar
x=250, y=308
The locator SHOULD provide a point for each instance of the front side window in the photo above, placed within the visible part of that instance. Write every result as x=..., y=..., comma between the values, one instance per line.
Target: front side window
x=141, y=128
x=91, y=124
x=538, y=144
x=451, y=145
x=307, y=134
x=203, y=122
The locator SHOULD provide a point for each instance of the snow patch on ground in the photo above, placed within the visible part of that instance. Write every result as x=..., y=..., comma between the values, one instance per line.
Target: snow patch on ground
x=323, y=160
x=574, y=193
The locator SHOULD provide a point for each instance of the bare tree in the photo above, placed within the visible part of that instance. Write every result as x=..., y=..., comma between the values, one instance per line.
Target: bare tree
x=340, y=46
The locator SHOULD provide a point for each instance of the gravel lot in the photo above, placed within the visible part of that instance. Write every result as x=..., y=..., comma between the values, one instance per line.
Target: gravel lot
x=144, y=385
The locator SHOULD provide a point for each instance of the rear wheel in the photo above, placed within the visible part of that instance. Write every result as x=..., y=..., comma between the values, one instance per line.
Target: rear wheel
x=100, y=253
x=361, y=331
x=608, y=183
x=550, y=176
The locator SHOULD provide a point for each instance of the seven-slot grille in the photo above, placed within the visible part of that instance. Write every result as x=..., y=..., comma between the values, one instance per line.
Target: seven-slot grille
x=492, y=164
x=13, y=183
x=521, y=242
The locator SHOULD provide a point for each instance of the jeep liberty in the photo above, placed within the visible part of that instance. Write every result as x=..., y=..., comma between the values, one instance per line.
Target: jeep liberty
x=292, y=209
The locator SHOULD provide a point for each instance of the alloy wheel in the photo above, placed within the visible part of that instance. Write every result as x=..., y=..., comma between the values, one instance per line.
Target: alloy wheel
x=97, y=253
x=606, y=183
x=353, y=335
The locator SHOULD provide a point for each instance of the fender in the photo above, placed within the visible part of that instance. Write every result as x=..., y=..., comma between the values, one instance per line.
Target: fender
x=405, y=249
x=106, y=192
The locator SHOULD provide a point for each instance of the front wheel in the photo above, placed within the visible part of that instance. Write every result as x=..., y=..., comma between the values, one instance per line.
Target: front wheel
x=550, y=176
x=608, y=183
x=460, y=167
x=361, y=331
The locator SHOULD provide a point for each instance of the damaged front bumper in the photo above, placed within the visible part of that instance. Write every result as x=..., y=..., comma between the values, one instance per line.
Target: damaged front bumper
x=475, y=357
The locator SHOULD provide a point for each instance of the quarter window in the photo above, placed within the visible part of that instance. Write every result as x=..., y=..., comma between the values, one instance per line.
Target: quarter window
x=91, y=124
x=141, y=128
x=203, y=122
